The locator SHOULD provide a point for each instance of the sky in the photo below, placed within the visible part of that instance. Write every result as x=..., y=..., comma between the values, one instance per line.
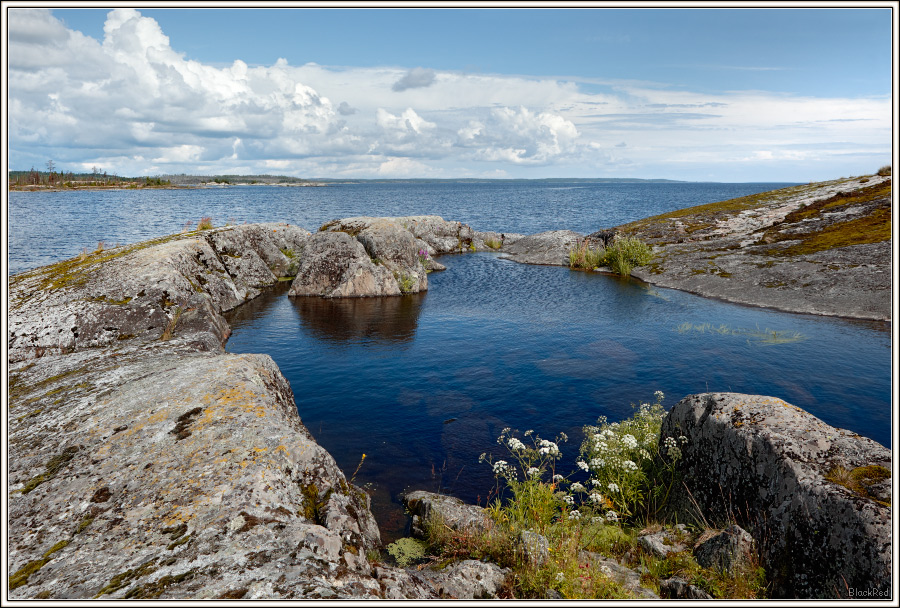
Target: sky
x=724, y=94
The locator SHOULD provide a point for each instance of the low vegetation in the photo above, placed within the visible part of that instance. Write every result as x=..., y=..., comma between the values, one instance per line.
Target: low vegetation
x=621, y=256
x=594, y=514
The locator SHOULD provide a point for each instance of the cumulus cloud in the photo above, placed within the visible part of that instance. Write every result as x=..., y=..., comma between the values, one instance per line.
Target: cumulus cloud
x=519, y=136
x=416, y=78
x=131, y=103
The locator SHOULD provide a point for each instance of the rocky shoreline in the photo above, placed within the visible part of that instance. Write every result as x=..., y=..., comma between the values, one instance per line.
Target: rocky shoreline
x=146, y=462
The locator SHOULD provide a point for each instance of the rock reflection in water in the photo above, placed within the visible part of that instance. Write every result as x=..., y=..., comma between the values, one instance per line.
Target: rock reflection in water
x=391, y=319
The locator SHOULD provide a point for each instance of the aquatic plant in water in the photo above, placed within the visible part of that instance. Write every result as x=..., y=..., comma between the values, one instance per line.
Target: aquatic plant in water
x=756, y=336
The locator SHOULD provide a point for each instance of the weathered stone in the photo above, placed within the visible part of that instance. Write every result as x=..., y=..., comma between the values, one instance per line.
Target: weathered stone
x=659, y=544
x=440, y=235
x=535, y=547
x=466, y=580
x=819, y=248
x=155, y=465
x=728, y=550
x=763, y=463
x=139, y=291
x=397, y=249
x=450, y=511
x=551, y=248
x=494, y=241
x=624, y=576
x=336, y=265
x=676, y=588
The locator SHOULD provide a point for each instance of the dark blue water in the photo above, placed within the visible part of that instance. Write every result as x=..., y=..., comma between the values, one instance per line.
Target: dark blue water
x=424, y=384
x=45, y=227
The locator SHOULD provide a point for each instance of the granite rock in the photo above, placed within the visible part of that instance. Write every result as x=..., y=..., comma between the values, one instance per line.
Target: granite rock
x=766, y=464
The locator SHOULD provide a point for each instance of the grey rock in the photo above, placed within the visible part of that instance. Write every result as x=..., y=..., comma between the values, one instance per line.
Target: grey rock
x=427, y=507
x=495, y=241
x=336, y=265
x=397, y=249
x=535, y=547
x=155, y=465
x=626, y=577
x=466, y=580
x=740, y=253
x=676, y=588
x=550, y=248
x=762, y=462
x=440, y=235
x=659, y=544
x=728, y=550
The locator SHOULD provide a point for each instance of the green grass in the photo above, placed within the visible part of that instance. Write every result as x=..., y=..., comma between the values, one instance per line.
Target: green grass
x=626, y=253
x=585, y=257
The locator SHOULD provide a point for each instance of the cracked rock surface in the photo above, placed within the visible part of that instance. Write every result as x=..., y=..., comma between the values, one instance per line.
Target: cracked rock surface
x=146, y=462
x=774, y=468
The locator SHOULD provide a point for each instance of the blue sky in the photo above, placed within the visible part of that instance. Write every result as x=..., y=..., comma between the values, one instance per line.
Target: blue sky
x=697, y=94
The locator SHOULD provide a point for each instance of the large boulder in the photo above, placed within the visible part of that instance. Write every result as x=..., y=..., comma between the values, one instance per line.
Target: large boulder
x=380, y=260
x=799, y=485
x=549, y=248
x=438, y=235
x=142, y=290
x=336, y=265
x=429, y=507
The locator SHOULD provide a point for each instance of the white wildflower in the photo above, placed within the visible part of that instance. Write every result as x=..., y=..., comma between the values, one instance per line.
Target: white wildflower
x=548, y=448
x=569, y=500
x=582, y=465
x=558, y=477
x=629, y=441
x=597, y=463
x=612, y=516
x=670, y=442
x=533, y=472
x=683, y=439
x=659, y=395
x=612, y=487
x=596, y=498
x=560, y=577
x=563, y=436
x=629, y=465
x=596, y=519
x=644, y=454
x=577, y=487
x=529, y=432
x=515, y=445
x=575, y=514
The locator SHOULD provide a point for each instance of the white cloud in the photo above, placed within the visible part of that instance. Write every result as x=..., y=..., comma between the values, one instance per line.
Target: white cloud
x=131, y=97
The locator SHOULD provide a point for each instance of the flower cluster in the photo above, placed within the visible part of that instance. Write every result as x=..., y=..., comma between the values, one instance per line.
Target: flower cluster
x=618, y=455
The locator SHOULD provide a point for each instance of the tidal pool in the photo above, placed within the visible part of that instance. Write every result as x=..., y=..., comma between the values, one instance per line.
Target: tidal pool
x=423, y=384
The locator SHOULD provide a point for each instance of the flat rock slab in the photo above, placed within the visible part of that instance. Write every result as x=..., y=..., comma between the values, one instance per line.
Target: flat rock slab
x=549, y=248
x=820, y=248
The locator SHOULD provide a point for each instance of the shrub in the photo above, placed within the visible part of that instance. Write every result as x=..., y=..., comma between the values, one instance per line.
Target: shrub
x=493, y=244
x=885, y=170
x=584, y=257
x=205, y=223
x=625, y=253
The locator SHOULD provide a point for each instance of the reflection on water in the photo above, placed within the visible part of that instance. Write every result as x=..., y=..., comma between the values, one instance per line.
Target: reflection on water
x=384, y=319
x=424, y=384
